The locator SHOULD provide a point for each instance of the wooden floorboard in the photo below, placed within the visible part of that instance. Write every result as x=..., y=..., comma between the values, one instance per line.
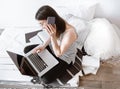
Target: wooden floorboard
x=107, y=77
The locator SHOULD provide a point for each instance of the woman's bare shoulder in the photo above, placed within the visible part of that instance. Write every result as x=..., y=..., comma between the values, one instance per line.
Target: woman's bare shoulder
x=71, y=32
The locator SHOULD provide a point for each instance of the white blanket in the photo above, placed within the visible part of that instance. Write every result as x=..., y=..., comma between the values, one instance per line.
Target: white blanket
x=103, y=40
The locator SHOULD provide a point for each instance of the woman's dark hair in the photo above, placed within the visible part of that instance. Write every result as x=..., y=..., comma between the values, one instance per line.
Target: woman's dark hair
x=46, y=11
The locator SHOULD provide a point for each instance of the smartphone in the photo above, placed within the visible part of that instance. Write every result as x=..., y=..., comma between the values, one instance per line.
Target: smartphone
x=51, y=20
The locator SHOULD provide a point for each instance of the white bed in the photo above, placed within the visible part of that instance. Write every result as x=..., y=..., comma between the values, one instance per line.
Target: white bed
x=83, y=12
x=101, y=40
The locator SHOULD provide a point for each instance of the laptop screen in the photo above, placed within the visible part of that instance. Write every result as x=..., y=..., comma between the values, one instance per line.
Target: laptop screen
x=22, y=64
x=17, y=59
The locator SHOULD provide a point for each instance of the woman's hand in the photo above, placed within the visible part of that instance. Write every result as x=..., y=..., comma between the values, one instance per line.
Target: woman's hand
x=38, y=49
x=51, y=29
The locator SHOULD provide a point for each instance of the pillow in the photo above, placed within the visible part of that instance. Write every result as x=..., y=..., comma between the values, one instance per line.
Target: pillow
x=81, y=8
x=77, y=22
x=81, y=29
x=84, y=10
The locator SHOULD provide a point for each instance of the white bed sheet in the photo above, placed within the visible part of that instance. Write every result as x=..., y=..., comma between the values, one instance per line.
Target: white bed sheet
x=14, y=39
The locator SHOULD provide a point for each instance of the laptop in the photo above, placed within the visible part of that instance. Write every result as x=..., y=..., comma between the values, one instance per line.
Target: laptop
x=36, y=64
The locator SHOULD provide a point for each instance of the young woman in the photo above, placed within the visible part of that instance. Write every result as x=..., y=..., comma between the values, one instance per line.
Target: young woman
x=61, y=43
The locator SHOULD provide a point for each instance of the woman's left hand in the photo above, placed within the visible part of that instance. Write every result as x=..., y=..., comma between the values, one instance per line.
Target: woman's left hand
x=51, y=29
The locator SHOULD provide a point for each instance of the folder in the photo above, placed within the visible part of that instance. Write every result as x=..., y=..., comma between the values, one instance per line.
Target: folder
x=30, y=35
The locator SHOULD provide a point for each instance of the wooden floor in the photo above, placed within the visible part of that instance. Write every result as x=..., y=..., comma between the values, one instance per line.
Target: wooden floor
x=108, y=77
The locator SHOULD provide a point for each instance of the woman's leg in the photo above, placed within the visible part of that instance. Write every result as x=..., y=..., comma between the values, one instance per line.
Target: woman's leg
x=56, y=71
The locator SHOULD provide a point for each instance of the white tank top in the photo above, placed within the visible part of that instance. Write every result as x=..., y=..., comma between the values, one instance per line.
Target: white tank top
x=69, y=55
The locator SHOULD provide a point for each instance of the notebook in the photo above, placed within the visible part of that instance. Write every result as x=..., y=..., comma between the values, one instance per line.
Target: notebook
x=36, y=64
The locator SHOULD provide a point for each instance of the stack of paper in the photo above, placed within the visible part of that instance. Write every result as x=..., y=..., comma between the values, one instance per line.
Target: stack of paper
x=90, y=64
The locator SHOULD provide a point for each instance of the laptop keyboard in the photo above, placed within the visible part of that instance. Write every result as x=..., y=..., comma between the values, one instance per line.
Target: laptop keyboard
x=37, y=61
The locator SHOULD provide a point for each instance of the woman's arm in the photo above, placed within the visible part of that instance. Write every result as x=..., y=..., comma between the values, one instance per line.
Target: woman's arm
x=40, y=48
x=68, y=38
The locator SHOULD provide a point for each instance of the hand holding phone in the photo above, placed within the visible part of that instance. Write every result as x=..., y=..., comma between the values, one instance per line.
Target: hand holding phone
x=51, y=27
